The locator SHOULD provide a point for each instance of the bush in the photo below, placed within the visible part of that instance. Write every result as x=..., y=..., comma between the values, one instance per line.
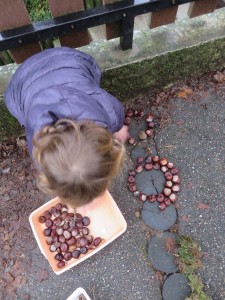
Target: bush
x=38, y=10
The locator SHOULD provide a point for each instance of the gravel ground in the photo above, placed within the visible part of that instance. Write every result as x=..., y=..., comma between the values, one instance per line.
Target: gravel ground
x=190, y=134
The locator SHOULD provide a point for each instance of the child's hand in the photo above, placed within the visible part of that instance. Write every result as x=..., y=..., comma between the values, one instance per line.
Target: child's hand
x=122, y=135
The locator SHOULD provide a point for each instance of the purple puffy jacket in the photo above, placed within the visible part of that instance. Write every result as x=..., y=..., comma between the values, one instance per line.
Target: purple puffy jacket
x=60, y=83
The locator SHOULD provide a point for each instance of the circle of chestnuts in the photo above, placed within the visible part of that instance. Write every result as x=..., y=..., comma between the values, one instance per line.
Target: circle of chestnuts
x=67, y=234
x=172, y=185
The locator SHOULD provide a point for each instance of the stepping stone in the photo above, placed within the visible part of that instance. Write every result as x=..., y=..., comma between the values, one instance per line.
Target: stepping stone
x=150, y=182
x=156, y=218
x=176, y=287
x=135, y=127
x=159, y=256
x=141, y=151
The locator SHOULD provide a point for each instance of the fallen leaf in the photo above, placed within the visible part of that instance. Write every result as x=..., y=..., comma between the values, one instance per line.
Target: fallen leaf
x=184, y=93
x=185, y=218
x=202, y=206
x=42, y=275
x=219, y=77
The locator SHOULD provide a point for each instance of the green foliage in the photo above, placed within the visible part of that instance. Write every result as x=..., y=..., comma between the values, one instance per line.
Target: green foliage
x=189, y=260
x=197, y=288
x=189, y=254
x=38, y=10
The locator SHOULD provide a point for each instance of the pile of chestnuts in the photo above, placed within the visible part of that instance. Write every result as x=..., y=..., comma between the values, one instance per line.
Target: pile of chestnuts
x=67, y=233
x=172, y=185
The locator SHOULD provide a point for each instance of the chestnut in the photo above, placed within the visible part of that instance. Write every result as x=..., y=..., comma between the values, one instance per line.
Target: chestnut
x=79, y=224
x=176, y=179
x=140, y=160
x=58, y=206
x=97, y=241
x=176, y=188
x=149, y=118
x=132, y=173
x=156, y=158
x=75, y=231
x=129, y=113
x=168, y=175
x=170, y=165
x=61, y=264
x=142, y=197
x=148, y=167
x=131, y=141
x=85, y=231
x=49, y=240
x=86, y=221
x=162, y=206
x=173, y=197
x=139, y=168
x=149, y=132
x=64, y=247
x=78, y=217
x=59, y=256
x=48, y=223
x=76, y=253
x=160, y=197
x=174, y=171
x=47, y=214
x=127, y=121
x=83, y=250
x=163, y=161
x=167, y=191
x=132, y=187
x=169, y=183
x=71, y=241
x=131, y=179
x=47, y=231
x=89, y=238
x=62, y=239
x=148, y=159
x=52, y=248
x=151, y=124
x=42, y=219
x=68, y=255
x=164, y=169
x=167, y=201
x=151, y=198
x=83, y=242
x=67, y=234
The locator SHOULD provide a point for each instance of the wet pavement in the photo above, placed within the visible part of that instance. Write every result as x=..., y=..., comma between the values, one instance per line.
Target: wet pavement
x=194, y=141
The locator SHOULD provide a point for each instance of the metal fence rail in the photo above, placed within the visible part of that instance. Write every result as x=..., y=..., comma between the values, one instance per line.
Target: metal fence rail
x=122, y=12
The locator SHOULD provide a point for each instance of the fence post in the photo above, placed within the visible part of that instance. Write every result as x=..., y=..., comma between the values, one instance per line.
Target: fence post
x=201, y=7
x=59, y=8
x=112, y=29
x=13, y=14
x=163, y=17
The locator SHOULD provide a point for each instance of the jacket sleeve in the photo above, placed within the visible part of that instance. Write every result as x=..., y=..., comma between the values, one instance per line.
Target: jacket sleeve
x=114, y=109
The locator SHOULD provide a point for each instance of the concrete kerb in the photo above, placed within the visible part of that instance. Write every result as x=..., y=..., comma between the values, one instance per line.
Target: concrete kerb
x=158, y=58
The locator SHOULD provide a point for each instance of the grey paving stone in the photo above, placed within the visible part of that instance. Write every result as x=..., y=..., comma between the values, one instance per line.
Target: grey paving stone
x=176, y=287
x=142, y=150
x=150, y=182
x=159, y=256
x=157, y=219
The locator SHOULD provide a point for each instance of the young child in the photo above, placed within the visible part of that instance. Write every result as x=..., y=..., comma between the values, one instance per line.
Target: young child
x=74, y=129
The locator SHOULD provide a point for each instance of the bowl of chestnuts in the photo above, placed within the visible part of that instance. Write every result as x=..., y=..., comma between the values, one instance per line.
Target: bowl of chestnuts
x=66, y=237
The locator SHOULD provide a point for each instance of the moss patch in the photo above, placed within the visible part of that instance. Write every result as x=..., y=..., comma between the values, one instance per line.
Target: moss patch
x=135, y=79
x=9, y=126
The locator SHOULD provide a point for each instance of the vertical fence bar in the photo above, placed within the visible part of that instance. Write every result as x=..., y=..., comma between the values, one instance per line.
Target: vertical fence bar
x=13, y=14
x=163, y=17
x=201, y=7
x=126, y=39
x=112, y=29
x=59, y=8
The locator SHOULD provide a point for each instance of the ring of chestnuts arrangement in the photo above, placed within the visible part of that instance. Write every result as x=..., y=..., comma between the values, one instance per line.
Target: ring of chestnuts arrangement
x=172, y=185
x=67, y=234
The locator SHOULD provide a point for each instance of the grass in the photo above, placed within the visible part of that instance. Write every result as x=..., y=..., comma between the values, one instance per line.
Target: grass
x=189, y=260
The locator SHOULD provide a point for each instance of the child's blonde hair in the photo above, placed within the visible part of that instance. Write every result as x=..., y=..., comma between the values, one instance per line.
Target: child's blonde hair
x=77, y=159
